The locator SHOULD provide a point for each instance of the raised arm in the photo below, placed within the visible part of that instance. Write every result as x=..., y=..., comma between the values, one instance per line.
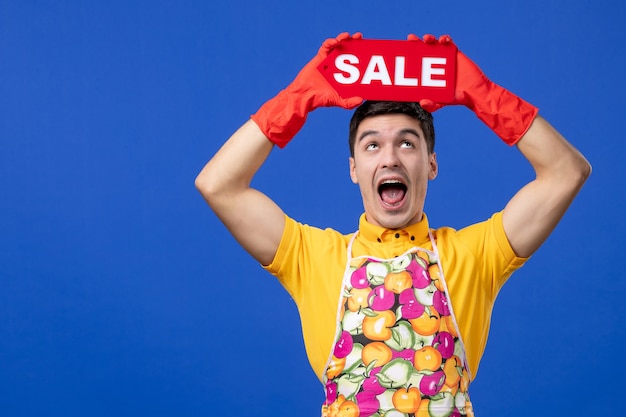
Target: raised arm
x=533, y=213
x=255, y=221
x=252, y=218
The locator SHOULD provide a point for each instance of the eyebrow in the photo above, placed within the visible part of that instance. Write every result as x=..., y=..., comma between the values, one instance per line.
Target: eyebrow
x=401, y=133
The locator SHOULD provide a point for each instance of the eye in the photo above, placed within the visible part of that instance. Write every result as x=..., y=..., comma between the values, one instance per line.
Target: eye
x=371, y=146
x=407, y=144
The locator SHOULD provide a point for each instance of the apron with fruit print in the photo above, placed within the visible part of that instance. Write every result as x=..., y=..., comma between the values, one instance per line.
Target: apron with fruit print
x=397, y=350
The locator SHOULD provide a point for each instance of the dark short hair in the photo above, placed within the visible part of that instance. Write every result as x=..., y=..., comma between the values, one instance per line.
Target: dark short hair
x=376, y=108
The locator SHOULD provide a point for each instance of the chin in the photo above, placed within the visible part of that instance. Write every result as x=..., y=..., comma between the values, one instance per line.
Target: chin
x=394, y=225
x=398, y=219
x=394, y=222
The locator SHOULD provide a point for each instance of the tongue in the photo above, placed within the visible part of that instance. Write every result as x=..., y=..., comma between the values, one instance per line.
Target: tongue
x=391, y=195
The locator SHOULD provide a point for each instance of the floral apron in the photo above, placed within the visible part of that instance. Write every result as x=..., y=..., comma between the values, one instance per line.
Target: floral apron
x=398, y=350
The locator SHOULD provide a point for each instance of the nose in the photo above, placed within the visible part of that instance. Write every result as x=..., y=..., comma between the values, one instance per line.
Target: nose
x=389, y=157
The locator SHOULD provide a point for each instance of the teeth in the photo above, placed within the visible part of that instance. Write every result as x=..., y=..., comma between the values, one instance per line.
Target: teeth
x=391, y=182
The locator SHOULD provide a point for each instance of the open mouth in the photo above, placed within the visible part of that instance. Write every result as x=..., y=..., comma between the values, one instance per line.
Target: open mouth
x=392, y=192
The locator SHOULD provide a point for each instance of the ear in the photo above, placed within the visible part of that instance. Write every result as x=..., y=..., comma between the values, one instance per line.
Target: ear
x=353, y=170
x=434, y=167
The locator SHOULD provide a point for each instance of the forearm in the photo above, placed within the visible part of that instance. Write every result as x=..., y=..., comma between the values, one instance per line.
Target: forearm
x=235, y=164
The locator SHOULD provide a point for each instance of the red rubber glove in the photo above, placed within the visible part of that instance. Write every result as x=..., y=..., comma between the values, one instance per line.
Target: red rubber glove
x=284, y=115
x=505, y=113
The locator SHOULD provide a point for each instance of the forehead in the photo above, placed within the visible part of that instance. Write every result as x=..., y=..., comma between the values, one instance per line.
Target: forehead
x=389, y=125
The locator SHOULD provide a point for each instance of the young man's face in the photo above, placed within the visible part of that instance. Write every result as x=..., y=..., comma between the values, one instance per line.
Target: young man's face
x=392, y=167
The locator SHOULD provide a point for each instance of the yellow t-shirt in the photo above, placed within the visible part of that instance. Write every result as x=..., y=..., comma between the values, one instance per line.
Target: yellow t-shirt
x=476, y=262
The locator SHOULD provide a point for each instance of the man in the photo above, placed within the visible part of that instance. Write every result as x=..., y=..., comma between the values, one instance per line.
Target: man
x=395, y=317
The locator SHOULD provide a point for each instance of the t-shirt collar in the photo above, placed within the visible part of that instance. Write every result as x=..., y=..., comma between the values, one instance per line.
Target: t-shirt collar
x=414, y=232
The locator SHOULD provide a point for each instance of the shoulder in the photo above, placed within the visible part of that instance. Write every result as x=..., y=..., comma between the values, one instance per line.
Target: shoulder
x=482, y=247
x=477, y=236
x=302, y=231
x=302, y=242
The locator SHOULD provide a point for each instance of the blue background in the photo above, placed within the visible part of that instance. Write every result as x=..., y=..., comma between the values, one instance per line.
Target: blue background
x=122, y=294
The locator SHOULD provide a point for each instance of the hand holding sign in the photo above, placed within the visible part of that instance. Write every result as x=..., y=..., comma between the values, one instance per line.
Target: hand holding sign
x=505, y=113
x=433, y=72
x=284, y=115
x=392, y=70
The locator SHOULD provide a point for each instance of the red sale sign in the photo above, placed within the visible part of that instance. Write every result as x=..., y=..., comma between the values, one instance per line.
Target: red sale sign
x=392, y=70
